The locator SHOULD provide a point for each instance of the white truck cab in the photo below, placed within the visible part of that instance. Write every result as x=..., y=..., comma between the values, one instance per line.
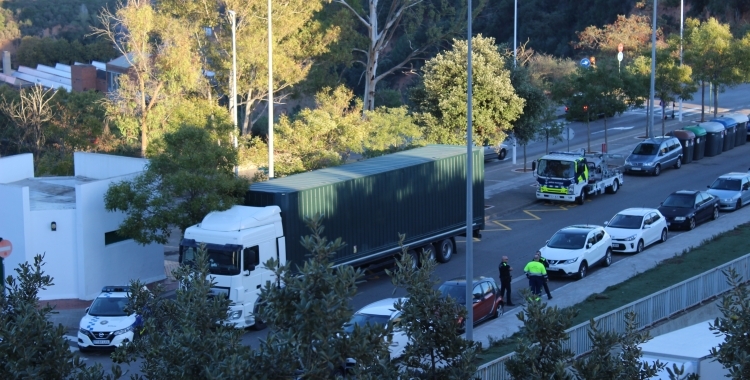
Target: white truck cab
x=238, y=242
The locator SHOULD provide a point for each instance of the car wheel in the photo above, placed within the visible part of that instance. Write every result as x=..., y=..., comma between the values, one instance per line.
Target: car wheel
x=663, y=235
x=692, y=224
x=615, y=186
x=739, y=204
x=501, y=155
x=428, y=250
x=657, y=170
x=445, y=250
x=715, y=214
x=583, y=270
x=608, y=257
x=582, y=199
x=639, y=248
x=678, y=164
x=497, y=312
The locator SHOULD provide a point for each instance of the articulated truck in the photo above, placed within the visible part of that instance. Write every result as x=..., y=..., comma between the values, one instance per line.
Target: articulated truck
x=420, y=193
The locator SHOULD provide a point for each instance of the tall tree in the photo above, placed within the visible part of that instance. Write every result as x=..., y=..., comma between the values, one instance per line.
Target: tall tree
x=710, y=51
x=31, y=346
x=536, y=108
x=441, y=104
x=308, y=314
x=188, y=176
x=734, y=324
x=299, y=37
x=162, y=68
x=399, y=32
x=633, y=32
x=29, y=116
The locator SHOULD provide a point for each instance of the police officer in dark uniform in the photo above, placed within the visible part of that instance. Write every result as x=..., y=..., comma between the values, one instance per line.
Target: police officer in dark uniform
x=546, y=265
x=505, y=278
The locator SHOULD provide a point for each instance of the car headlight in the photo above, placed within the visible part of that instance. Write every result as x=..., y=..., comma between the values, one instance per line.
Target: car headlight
x=679, y=218
x=728, y=200
x=123, y=331
x=630, y=238
x=83, y=331
x=570, y=189
x=235, y=314
x=571, y=261
x=648, y=163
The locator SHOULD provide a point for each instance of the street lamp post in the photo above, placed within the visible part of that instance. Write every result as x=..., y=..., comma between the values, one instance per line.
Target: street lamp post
x=682, y=24
x=233, y=99
x=469, y=192
x=270, y=94
x=515, y=32
x=653, y=78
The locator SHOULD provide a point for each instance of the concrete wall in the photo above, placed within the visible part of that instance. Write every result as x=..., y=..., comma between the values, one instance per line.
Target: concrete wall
x=14, y=203
x=59, y=248
x=16, y=167
x=102, y=166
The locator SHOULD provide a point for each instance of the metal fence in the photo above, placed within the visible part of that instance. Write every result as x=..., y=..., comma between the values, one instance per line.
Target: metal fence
x=649, y=310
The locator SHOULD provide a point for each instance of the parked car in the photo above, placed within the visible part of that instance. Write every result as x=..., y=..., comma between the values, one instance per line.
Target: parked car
x=487, y=303
x=106, y=324
x=732, y=189
x=653, y=155
x=498, y=151
x=634, y=229
x=573, y=249
x=382, y=313
x=687, y=208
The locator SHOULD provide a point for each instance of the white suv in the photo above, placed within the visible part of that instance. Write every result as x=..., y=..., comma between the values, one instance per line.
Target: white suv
x=573, y=249
x=106, y=324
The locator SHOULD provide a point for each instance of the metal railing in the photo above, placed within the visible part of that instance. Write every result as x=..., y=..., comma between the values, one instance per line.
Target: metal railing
x=649, y=310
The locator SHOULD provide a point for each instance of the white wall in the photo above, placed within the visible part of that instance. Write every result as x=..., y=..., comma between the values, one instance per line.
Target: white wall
x=102, y=166
x=16, y=167
x=58, y=247
x=114, y=264
x=14, y=203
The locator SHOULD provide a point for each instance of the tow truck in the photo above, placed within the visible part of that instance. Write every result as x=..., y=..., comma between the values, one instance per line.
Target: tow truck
x=572, y=176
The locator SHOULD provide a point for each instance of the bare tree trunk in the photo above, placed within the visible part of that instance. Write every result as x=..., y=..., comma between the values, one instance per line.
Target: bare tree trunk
x=663, y=119
x=716, y=99
x=588, y=132
x=606, y=142
x=524, y=158
x=703, y=101
x=373, y=55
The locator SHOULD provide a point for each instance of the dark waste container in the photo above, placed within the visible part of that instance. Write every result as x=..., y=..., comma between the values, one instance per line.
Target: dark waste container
x=729, y=131
x=740, y=131
x=714, y=138
x=687, y=140
x=699, y=148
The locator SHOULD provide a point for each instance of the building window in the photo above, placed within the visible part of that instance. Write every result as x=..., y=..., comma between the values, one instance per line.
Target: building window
x=113, y=237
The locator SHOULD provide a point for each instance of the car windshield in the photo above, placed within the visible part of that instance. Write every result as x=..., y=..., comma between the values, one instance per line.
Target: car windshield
x=108, y=307
x=361, y=319
x=726, y=184
x=679, y=200
x=626, y=221
x=567, y=240
x=457, y=292
x=646, y=149
x=556, y=168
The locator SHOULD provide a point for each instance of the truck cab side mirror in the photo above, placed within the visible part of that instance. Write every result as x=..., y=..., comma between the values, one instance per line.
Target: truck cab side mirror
x=533, y=166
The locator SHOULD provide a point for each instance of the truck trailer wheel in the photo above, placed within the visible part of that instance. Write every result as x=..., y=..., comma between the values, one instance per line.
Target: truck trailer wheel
x=445, y=250
x=427, y=250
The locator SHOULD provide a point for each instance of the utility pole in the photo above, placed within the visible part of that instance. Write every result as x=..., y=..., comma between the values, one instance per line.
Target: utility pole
x=233, y=100
x=653, y=78
x=469, y=193
x=270, y=94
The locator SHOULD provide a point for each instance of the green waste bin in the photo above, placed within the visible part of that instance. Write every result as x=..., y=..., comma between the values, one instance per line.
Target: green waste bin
x=714, y=138
x=729, y=131
x=699, y=148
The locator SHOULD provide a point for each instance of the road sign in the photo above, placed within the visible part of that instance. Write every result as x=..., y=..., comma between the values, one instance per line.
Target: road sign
x=619, y=56
x=568, y=133
x=585, y=62
x=619, y=48
x=5, y=248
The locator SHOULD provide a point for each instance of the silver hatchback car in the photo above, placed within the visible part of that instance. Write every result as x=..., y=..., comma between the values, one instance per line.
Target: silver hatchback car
x=652, y=155
x=732, y=189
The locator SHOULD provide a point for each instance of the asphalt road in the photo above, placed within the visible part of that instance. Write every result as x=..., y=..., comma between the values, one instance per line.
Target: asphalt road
x=518, y=224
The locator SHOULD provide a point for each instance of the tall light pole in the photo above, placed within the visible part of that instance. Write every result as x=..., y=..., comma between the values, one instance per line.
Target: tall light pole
x=653, y=78
x=270, y=94
x=682, y=24
x=233, y=100
x=469, y=193
x=515, y=32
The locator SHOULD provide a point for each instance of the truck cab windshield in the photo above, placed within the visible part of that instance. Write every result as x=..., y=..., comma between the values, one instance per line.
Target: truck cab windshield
x=224, y=262
x=556, y=168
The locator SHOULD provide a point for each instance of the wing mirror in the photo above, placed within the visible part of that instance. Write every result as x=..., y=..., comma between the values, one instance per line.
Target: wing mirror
x=533, y=166
x=606, y=222
x=247, y=272
x=588, y=245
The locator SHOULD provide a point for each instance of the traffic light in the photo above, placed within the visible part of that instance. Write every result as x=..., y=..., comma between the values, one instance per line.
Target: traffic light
x=585, y=108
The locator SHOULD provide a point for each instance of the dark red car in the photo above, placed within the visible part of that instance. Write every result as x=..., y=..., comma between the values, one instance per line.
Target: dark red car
x=488, y=302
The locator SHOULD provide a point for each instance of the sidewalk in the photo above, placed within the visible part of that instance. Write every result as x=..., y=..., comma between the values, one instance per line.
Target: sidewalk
x=577, y=291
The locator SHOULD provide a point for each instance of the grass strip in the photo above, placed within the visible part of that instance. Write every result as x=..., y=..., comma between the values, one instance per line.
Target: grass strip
x=713, y=252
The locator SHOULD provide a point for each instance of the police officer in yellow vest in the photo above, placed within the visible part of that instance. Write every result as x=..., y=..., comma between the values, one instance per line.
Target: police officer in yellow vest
x=582, y=170
x=536, y=273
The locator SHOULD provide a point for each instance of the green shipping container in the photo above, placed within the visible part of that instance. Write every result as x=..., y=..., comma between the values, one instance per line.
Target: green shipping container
x=420, y=193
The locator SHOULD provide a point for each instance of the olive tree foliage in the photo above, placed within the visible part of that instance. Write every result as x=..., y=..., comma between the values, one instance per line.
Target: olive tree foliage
x=540, y=353
x=616, y=356
x=188, y=176
x=185, y=337
x=330, y=133
x=715, y=57
x=163, y=69
x=538, y=111
x=441, y=104
x=734, y=325
x=299, y=38
x=32, y=347
x=396, y=33
x=306, y=309
x=435, y=349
